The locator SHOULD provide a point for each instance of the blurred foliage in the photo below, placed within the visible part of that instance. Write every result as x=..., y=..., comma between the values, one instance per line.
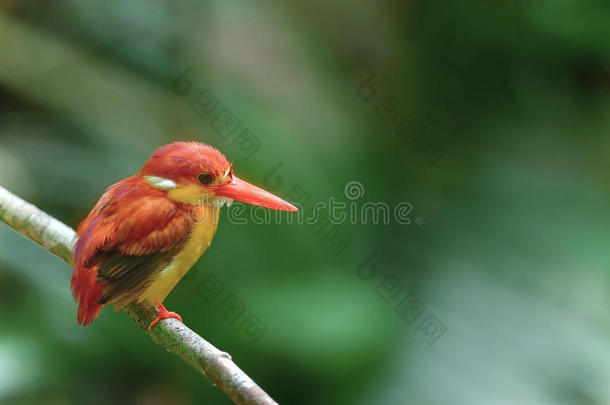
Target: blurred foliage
x=511, y=256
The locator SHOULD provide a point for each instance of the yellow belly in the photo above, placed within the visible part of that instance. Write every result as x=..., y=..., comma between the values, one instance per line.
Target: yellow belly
x=199, y=240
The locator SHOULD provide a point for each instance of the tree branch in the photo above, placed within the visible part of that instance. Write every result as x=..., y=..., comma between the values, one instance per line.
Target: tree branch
x=171, y=334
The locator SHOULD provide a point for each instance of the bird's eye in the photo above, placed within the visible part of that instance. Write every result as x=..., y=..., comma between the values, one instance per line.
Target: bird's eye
x=205, y=178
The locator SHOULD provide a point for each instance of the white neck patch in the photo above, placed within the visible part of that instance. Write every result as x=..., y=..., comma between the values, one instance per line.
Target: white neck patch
x=160, y=183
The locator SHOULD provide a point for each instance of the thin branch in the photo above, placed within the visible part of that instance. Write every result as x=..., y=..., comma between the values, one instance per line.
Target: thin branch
x=171, y=334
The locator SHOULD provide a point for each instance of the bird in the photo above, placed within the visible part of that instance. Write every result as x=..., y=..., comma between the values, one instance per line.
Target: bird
x=146, y=231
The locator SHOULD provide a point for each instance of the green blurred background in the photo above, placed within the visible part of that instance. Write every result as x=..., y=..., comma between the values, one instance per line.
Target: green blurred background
x=511, y=256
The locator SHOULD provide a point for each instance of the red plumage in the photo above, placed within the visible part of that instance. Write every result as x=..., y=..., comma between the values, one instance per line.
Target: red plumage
x=183, y=161
x=132, y=219
x=86, y=292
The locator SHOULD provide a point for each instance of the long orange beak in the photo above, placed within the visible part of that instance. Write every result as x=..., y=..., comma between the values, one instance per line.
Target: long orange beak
x=243, y=191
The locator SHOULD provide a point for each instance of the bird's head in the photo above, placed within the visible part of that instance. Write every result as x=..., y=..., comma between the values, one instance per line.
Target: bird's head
x=195, y=173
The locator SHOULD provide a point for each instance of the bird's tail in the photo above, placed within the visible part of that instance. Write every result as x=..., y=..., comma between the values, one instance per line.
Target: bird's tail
x=86, y=292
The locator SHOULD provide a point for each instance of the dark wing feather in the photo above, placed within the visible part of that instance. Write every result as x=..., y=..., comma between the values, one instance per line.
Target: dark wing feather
x=125, y=277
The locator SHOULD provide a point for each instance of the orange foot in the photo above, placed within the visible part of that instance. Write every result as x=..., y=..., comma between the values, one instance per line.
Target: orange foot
x=163, y=314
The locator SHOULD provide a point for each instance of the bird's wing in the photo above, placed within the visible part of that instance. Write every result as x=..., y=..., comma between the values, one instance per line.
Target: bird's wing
x=132, y=233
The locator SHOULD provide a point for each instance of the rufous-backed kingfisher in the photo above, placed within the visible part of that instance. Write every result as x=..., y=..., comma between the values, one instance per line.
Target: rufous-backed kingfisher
x=148, y=230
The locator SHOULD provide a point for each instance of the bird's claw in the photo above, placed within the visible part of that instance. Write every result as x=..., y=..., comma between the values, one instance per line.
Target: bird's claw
x=163, y=314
